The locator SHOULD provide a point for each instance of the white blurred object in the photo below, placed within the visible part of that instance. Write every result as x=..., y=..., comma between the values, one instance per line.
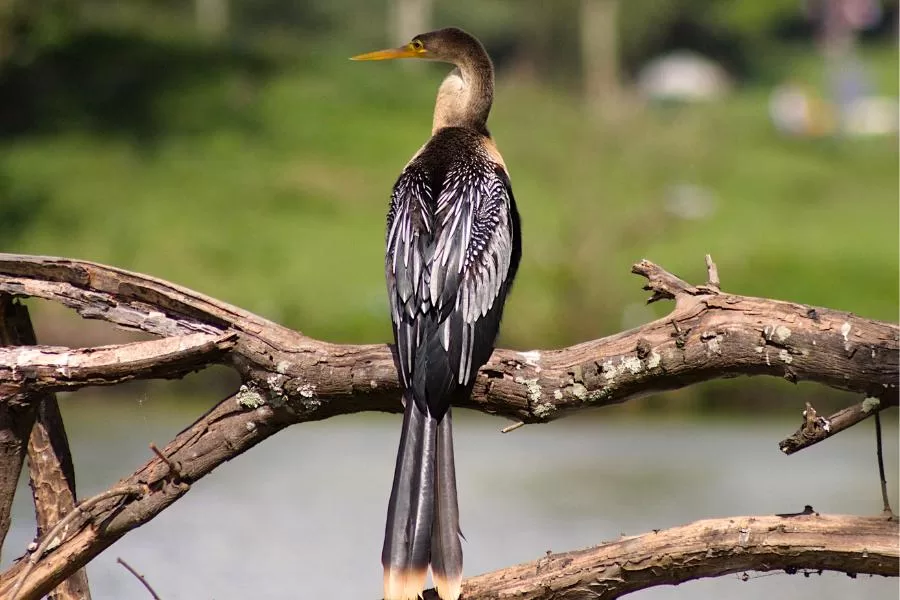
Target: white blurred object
x=690, y=202
x=796, y=110
x=683, y=76
x=872, y=115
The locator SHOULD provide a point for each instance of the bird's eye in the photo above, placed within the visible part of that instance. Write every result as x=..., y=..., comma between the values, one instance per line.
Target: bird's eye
x=417, y=45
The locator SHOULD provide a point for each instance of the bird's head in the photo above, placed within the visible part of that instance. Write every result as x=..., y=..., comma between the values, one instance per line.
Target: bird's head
x=450, y=45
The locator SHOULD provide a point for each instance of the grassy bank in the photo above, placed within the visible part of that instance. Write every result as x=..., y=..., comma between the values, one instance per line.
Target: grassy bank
x=271, y=193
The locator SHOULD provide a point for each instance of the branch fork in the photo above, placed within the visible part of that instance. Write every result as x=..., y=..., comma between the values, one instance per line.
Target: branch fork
x=290, y=378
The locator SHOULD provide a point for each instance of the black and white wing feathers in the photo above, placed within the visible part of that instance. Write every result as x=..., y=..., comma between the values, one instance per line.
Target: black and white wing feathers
x=451, y=254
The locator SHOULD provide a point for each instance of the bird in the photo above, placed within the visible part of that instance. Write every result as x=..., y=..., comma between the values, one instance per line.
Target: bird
x=453, y=247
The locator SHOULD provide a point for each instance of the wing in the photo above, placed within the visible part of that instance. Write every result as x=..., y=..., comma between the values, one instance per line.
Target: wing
x=448, y=268
x=410, y=235
x=471, y=270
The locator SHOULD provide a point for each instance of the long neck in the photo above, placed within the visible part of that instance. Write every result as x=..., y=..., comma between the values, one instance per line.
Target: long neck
x=466, y=94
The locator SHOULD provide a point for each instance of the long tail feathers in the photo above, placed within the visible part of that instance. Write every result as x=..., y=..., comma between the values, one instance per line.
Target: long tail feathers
x=423, y=517
x=407, y=537
x=446, y=549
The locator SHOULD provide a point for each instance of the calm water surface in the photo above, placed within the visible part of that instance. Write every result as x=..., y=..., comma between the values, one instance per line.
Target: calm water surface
x=302, y=515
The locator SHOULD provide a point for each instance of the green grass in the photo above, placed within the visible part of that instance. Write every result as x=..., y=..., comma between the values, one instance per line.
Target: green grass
x=279, y=207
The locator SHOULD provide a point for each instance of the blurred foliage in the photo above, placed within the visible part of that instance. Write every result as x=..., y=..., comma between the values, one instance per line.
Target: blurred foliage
x=112, y=83
x=29, y=26
x=256, y=167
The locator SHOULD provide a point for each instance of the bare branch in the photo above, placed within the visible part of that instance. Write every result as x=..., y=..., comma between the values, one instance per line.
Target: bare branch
x=59, y=532
x=290, y=378
x=52, y=477
x=139, y=577
x=879, y=455
x=816, y=428
x=512, y=427
x=16, y=418
x=709, y=335
x=708, y=548
x=45, y=368
x=663, y=284
x=174, y=469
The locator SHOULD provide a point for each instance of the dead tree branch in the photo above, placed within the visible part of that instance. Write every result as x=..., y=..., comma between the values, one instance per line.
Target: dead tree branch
x=49, y=368
x=139, y=577
x=290, y=378
x=16, y=418
x=52, y=474
x=709, y=335
x=879, y=453
x=709, y=548
x=55, y=536
x=816, y=428
x=52, y=477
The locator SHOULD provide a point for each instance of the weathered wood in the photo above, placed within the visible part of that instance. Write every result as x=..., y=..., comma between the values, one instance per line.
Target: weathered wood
x=816, y=428
x=708, y=548
x=709, y=335
x=13, y=589
x=16, y=418
x=290, y=378
x=52, y=474
x=52, y=477
x=51, y=368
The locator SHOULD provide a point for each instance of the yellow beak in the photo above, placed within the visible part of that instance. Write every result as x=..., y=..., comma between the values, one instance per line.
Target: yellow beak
x=406, y=51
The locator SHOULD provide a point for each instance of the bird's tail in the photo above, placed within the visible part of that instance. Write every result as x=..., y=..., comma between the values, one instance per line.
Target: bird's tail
x=423, y=519
x=446, y=549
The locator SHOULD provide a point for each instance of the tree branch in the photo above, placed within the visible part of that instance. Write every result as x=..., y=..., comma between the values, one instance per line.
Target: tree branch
x=14, y=588
x=16, y=418
x=139, y=577
x=290, y=378
x=234, y=426
x=52, y=478
x=49, y=368
x=709, y=335
x=52, y=474
x=815, y=428
x=708, y=548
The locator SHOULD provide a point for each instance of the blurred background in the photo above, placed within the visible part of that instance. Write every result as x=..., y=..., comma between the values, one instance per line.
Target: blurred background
x=230, y=146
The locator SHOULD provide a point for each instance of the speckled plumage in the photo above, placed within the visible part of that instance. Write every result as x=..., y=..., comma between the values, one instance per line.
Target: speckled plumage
x=452, y=252
x=453, y=248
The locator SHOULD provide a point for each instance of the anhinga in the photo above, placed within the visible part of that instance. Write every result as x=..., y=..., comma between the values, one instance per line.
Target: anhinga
x=453, y=247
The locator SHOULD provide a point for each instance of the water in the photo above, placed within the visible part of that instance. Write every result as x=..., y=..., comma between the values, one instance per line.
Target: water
x=302, y=515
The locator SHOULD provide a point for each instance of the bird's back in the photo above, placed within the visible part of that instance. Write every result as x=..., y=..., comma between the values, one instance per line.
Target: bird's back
x=452, y=252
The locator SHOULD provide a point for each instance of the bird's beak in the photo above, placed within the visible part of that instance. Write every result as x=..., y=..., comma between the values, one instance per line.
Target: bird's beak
x=406, y=51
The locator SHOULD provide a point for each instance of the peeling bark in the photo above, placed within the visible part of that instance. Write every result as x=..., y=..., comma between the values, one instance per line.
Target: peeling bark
x=51, y=368
x=51, y=471
x=709, y=548
x=52, y=476
x=710, y=334
x=290, y=378
x=16, y=418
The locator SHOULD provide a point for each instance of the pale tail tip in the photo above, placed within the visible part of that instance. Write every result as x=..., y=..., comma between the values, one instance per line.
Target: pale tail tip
x=447, y=588
x=403, y=584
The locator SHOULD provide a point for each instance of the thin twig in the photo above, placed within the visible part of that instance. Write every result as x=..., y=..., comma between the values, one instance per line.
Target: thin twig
x=512, y=427
x=61, y=528
x=174, y=469
x=139, y=578
x=884, y=492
